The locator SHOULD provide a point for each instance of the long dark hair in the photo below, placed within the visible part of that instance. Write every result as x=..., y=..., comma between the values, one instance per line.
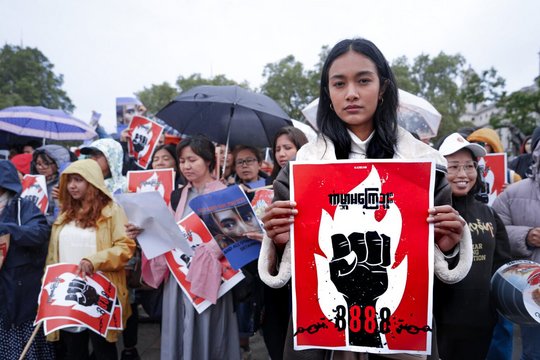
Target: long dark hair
x=384, y=138
x=295, y=135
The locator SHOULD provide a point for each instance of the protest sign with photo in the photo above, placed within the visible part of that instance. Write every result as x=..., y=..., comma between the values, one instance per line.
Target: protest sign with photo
x=362, y=255
x=493, y=170
x=229, y=216
x=89, y=302
x=34, y=188
x=160, y=180
x=145, y=134
x=178, y=262
x=126, y=109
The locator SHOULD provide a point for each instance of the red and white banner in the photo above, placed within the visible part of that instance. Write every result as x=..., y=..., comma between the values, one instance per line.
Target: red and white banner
x=362, y=255
x=89, y=303
x=493, y=169
x=197, y=233
x=145, y=134
x=34, y=188
x=160, y=180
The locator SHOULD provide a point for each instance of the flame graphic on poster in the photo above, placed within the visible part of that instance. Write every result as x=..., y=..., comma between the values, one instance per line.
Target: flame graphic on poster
x=357, y=219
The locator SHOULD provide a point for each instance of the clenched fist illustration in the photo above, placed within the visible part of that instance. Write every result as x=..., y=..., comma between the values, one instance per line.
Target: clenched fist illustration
x=359, y=272
x=86, y=295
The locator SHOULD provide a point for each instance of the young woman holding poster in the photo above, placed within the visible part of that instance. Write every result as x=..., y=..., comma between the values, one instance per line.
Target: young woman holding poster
x=90, y=232
x=357, y=117
x=186, y=334
x=464, y=311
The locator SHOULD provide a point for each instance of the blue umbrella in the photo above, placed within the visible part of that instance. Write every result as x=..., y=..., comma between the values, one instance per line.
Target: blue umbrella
x=41, y=122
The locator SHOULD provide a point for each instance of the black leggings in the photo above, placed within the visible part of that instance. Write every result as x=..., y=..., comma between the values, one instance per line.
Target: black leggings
x=76, y=346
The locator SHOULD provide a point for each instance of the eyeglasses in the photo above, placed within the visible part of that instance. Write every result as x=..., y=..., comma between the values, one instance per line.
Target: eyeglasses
x=469, y=168
x=246, y=162
x=43, y=165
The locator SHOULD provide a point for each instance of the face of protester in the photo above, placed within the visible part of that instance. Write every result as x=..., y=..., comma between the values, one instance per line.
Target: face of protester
x=247, y=166
x=354, y=88
x=100, y=158
x=77, y=186
x=27, y=149
x=222, y=156
x=528, y=146
x=193, y=167
x=46, y=167
x=462, y=173
x=234, y=222
x=163, y=160
x=285, y=150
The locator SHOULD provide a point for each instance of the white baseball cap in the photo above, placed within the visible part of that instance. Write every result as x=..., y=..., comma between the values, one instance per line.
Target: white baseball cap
x=455, y=142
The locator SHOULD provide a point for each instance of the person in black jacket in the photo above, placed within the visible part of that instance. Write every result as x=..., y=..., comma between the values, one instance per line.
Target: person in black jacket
x=464, y=311
x=22, y=270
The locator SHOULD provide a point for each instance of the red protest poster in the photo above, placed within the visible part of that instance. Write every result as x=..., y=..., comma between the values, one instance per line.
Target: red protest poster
x=160, y=180
x=362, y=255
x=493, y=169
x=51, y=325
x=35, y=188
x=144, y=137
x=178, y=262
x=64, y=295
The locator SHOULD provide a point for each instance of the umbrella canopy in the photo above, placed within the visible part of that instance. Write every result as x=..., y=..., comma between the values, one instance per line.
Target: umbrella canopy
x=414, y=114
x=417, y=115
x=41, y=122
x=226, y=114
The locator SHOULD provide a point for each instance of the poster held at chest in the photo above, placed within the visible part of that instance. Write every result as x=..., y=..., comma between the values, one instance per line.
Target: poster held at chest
x=229, y=216
x=160, y=180
x=362, y=255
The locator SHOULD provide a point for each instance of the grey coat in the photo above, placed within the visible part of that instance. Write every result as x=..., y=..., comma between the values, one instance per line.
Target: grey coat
x=519, y=206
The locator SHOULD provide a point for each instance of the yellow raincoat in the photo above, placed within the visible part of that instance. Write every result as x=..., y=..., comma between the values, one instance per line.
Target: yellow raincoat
x=114, y=248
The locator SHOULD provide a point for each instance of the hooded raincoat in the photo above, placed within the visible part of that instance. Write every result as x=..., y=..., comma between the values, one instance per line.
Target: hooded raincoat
x=491, y=138
x=114, y=248
x=114, y=154
x=20, y=275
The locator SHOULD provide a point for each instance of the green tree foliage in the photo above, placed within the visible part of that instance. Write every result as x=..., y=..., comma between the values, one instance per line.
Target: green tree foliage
x=521, y=108
x=446, y=83
x=193, y=80
x=290, y=85
x=27, y=78
x=157, y=96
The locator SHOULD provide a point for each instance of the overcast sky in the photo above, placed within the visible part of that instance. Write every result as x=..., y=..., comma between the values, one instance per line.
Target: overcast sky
x=111, y=48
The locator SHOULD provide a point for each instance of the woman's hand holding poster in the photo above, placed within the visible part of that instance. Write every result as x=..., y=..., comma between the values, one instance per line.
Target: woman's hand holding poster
x=362, y=255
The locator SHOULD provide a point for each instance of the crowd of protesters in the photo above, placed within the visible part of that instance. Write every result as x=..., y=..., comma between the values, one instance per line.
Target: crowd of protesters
x=357, y=119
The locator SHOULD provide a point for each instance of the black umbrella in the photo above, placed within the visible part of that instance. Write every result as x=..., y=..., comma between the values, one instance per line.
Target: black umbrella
x=226, y=114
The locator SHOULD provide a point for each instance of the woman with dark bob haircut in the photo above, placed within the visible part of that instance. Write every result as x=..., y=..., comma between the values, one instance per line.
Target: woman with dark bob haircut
x=357, y=119
x=186, y=334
